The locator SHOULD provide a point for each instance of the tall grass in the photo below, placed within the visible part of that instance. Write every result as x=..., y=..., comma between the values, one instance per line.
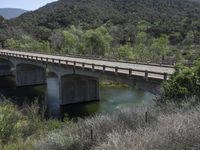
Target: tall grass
x=166, y=128
x=153, y=127
x=21, y=128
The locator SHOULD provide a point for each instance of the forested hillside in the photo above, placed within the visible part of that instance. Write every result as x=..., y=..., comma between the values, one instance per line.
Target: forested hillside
x=125, y=29
x=9, y=13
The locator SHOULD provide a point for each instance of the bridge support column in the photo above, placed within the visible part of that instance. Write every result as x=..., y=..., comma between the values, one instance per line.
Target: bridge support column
x=77, y=89
x=27, y=75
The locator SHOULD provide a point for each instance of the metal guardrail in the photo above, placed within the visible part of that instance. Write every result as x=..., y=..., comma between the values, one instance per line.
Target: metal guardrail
x=83, y=65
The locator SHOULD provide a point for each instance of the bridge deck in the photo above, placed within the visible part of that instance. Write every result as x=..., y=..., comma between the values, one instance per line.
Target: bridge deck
x=152, y=71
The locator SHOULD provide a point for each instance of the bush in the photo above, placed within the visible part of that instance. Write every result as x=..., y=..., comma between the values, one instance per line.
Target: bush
x=78, y=135
x=183, y=84
x=10, y=122
x=162, y=127
x=20, y=130
x=173, y=131
x=168, y=128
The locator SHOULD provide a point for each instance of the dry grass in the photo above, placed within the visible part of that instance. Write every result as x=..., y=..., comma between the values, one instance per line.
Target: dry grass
x=167, y=128
x=173, y=131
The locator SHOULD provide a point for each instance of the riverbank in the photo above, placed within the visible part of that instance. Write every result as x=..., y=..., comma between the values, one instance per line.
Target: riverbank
x=146, y=127
x=113, y=96
x=110, y=84
x=172, y=123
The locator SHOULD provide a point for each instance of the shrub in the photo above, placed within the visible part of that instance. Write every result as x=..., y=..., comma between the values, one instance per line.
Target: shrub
x=169, y=127
x=10, y=122
x=19, y=130
x=78, y=135
x=183, y=84
x=173, y=131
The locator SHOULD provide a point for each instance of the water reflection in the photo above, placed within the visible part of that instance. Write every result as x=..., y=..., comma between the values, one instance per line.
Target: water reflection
x=111, y=98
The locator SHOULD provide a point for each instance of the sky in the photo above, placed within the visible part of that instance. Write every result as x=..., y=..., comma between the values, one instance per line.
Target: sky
x=24, y=4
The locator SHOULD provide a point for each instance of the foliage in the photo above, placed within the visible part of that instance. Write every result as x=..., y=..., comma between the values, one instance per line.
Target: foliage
x=10, y=122
x=184, y=83
x=167, y=127
x=110, y=28
x=123, y=129
x=125, y=52
x=27, y=44
x=92, y=14
x=97, y=42
x=69, y=41
x=19, y=131
x=159, y=47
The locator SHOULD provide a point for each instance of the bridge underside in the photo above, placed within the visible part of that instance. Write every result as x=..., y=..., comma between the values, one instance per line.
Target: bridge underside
x=76, y=89
x=30, y=75
x=75, y=83
x=5, y=68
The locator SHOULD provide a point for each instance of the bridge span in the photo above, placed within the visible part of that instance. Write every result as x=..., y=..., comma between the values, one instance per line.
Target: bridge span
x=79, y=77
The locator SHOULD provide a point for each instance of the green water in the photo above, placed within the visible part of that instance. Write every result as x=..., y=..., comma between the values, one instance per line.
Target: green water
x=111, y=98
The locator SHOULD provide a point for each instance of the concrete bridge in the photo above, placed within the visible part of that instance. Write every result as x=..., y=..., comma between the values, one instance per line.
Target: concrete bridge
x=79, y=77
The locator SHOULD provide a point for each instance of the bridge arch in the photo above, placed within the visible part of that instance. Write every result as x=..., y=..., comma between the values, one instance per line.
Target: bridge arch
x=30, y=63
x=6, y=61
x=6, y=67
x=153, y=86
x=28, y=74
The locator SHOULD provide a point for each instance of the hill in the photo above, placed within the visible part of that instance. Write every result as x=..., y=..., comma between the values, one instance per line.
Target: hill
x=165, y=16
x=128, y=22
x=93, y=13
x=9, y=13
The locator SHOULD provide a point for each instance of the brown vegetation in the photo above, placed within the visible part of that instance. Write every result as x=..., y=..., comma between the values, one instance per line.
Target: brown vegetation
x=166, y=127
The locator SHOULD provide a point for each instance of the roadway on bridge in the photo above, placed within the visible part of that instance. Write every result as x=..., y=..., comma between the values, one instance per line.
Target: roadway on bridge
x=134, y=66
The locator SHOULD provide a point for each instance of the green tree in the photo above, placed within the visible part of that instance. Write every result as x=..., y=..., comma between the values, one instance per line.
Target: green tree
x=70, y=41
x=159, y=47
x=97, y=42
x=9, y=119
x=125, y=52
x=142, y=37
x=143, y=25
x=183, y=84
x=13, y=44
x=57, y=40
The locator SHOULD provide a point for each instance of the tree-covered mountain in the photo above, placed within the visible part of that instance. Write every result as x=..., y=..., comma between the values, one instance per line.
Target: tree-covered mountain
x=9, y=13
x=92, y=13
x=165, y=16
x=131, y=24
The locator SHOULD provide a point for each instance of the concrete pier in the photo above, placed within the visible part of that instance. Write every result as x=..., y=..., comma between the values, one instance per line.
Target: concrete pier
x=79, y=77
x=76, y=89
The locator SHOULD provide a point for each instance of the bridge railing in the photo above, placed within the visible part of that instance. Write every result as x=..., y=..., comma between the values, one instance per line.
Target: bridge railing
x=100, y=58
x=117, y=70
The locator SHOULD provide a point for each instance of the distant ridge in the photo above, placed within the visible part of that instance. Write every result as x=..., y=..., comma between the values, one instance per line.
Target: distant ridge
x=9, y=13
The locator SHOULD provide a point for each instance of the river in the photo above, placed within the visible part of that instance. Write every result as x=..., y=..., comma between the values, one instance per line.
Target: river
x=111, y=98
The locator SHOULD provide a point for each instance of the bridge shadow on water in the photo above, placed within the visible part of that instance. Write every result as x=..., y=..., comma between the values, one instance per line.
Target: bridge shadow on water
x=111, y=98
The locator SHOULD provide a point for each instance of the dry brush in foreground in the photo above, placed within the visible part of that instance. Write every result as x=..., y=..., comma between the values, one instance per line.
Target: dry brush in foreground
x=162, y=128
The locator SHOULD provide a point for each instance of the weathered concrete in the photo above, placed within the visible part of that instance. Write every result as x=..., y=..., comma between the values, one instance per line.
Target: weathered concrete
x=6, y=68
x=76, y=89
x=30, y=75
x=79, y=81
